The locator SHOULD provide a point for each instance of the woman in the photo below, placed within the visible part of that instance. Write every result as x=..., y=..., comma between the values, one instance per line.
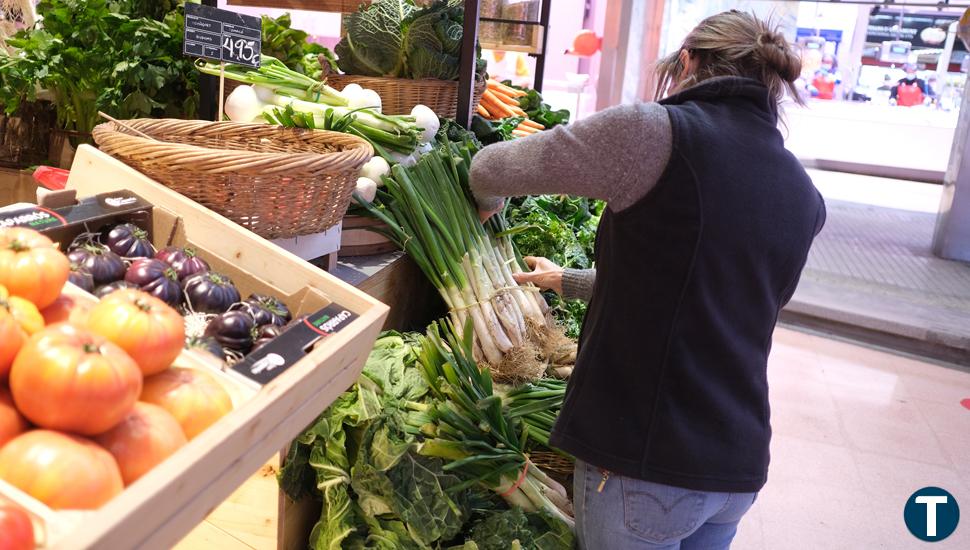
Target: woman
x=708, y=226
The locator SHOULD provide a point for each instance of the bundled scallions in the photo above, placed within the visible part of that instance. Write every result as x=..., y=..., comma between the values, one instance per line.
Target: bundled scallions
x=432, y=216
x=279, y=95
x=472, y=431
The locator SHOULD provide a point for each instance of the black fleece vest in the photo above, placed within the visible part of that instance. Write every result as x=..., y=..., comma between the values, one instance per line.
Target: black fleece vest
x=670, y=383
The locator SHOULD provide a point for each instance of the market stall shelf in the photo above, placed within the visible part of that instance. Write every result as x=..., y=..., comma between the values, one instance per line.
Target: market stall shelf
x=170, y=500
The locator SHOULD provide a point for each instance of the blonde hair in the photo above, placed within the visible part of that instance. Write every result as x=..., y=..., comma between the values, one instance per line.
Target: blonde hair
x=733, y=43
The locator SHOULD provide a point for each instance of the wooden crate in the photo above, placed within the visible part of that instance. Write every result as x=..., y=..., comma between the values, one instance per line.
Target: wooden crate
x=169, y=501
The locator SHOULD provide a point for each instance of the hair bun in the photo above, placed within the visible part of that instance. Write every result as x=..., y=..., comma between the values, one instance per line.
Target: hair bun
x=775, y=52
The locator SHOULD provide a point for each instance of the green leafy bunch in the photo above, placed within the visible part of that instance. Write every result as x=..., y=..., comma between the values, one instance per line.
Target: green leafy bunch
x=290, y=46
x=89, y=56
x=396, y=38
x=563, y=229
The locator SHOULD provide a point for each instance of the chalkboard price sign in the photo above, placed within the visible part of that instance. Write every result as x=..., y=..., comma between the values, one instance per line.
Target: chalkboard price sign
x=222, y=35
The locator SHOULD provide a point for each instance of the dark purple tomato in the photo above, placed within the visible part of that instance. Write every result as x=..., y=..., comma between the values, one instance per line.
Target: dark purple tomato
x=266, y=334
x=209, y=292
x=129, y=241
x=206, y=344
x=80, y=278
x=267, y=310
x=104, y=290
x=156, y=278
x=104, y=265
x=232, y=330
x=183, y=260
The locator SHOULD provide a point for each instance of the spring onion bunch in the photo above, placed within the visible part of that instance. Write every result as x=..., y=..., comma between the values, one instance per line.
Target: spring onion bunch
x=280, y=95
x=433, y=218
x=472, y=431
x=537, y=404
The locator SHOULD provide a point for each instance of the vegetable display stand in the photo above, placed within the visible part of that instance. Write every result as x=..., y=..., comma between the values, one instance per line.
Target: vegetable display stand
x=171, y=499
x=400, y=95
x=277, y=182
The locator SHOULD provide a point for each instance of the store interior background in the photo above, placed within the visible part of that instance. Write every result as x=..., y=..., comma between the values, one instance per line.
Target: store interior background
x=868, y=137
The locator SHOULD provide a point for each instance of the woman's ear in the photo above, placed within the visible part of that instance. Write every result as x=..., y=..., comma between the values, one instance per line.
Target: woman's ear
x=685, y=65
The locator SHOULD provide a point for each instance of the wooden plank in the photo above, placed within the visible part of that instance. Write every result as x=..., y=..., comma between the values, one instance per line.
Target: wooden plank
x=248, y=516
x=16, y=186
x=208, y=536
x=413, y=300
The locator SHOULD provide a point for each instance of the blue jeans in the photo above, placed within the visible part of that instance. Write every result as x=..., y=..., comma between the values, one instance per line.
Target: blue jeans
x=621, y=513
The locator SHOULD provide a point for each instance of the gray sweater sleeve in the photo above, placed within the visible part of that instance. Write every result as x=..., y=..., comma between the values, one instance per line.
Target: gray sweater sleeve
x=577, y=284
x=616, y=155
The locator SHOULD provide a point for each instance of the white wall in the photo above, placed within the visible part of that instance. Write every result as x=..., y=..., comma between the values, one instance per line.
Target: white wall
x=323, y=26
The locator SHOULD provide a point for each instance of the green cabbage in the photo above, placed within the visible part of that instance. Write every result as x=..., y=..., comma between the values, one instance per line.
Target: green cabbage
x=374, y=43
x=395, y=38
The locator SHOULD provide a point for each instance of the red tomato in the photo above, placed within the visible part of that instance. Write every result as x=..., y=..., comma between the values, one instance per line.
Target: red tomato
x=146, y=437
x=147, y=328
x=194, y=398
x=16, y=531
x=18, y=320
x=68, y=309
x=31, y=266
x=60, y=470
x=12, y=423
x=70, y=379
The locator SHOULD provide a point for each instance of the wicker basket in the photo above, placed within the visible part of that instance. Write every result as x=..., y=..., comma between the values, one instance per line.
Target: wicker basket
x=400, y=95
x=277, y=182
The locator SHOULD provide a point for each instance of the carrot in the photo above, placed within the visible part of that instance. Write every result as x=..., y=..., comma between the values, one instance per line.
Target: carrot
x=506, y=99
x=483, y=111
x=507, y=90
x=518, y=111
x=520, y=133
x=494, y=106
x=533, y=124
x=526, y=129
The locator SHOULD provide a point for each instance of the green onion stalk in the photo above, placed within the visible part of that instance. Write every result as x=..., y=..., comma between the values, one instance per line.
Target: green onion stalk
x=475, y=435
x=537, y=404
x=295, y=100
x=431, y=216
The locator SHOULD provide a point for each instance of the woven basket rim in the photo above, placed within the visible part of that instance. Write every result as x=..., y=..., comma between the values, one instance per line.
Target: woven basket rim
x=112, y=130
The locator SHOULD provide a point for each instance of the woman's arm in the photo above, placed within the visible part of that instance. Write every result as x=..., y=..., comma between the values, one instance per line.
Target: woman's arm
x=577, y=284
x=616, y=155
x=571, y=284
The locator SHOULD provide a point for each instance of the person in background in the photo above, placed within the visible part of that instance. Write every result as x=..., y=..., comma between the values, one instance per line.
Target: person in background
x=910, y=90
x=826, y=78
x=933, y=87
x=708, y=224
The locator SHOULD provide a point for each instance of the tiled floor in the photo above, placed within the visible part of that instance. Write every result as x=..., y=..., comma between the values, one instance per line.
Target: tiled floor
x=856, y=432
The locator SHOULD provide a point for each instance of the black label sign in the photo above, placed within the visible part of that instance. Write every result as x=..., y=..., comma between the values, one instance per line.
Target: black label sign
x=84, y=211
x=33, y=217
x=273, y=358
x=222, y=35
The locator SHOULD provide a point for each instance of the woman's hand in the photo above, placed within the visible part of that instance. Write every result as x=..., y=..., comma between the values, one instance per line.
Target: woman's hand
x=484, y=215
x=545, y=274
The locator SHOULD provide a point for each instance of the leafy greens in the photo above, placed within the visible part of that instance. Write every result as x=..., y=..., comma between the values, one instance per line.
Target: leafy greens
x=361, y=459
x=396, y=38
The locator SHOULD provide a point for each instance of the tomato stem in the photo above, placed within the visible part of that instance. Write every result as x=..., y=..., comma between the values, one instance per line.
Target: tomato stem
x=91, y=348
x=18, y=246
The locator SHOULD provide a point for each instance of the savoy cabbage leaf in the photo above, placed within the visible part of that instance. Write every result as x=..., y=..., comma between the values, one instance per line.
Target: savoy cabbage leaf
x=374, y=43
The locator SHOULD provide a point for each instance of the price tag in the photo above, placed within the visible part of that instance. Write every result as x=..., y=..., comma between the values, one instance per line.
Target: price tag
x=275, y=357
x=222, y=35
